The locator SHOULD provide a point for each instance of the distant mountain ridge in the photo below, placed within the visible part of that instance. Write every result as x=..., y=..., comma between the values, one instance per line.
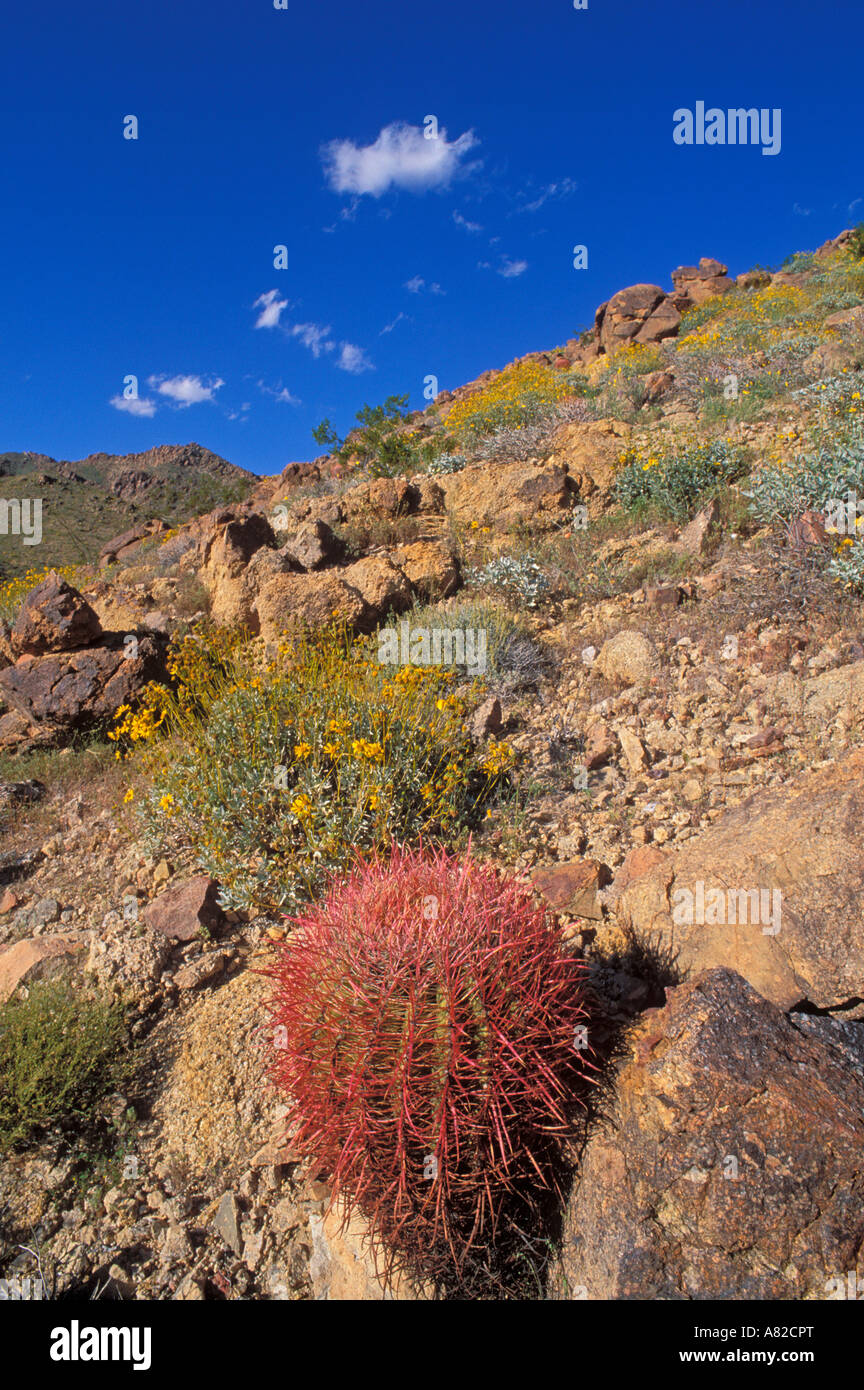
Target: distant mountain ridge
x=86, y=502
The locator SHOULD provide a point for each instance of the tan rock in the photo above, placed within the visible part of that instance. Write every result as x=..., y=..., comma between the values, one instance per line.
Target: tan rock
x=782, y=891
x=384, y=588
x=292, y=602
x=503, y=494
x=631, y=747
x=430, y=567
x=32, y=959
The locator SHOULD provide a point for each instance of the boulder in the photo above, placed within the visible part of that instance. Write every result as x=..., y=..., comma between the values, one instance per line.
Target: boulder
x=430, y=567
x=694, y=284
x=381, y=499
x=384, y=587
x=573, y=888
x=186, y=909
x=53, y=617
x=120, y=547
x=225, y=552
x=782, y=892
x=730, y=1165
x=309, y=601
x=638, y=314
x=313, y=546
x=504, y=494
x=77, y=689
x=590, y=454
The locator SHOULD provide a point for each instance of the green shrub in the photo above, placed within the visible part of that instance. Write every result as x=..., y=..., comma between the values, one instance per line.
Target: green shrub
x=678, y=483
x=782, y=492
x=277, y=776
x=61, y=1050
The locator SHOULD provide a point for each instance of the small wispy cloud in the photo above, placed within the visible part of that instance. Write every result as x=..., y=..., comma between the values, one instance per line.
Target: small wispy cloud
x=417, y=284
x=184, y=391
x=463, y=222
x=561, y=188
x=854, y=204
x=801, y=212
x=507, y=268
x=313, y=336
x=136, y=405
x=353, y=359
x=271, y=309
x=401, y=157
x=278, y=393
x=388, y=327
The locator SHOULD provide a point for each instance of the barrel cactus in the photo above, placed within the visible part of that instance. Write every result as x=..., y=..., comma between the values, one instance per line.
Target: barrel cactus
x=431, y=1036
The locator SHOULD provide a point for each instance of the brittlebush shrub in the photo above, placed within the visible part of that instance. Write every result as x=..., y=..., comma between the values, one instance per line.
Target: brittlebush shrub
x=430, y=1034
x=276, y=772
x=519, y=395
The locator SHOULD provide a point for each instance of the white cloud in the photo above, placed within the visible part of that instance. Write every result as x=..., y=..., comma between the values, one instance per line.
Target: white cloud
x=463, y=222
x=802, y=212
x=353, y=359
x=417, y=283
x=138, y=405
x=401, y=157
x=562, y=189
x=388, y=327
x=507, y=268
x=185, y=390
x=271, y=309
x=853, y=205
x=279, y=393
x=314, y=337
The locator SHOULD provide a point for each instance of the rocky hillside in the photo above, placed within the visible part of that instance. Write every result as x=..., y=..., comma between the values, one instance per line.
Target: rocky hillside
x=85, y=503
x=598, y=612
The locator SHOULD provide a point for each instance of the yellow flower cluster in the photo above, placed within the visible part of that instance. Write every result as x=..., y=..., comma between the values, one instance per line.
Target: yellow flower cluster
x=499, y=758
x=505, y=399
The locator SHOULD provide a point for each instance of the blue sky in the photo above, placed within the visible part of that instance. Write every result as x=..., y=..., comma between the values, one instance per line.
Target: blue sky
x=406, y=257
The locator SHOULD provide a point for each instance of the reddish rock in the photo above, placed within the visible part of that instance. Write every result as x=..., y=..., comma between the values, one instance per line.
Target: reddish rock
x=76, y=689
x=599, y=746
x=730, y=1164
x=637, y=863
x=53, y=618
x=573, y=888
x=186, y=909
x=639, y=314
x=119, y=547
x=30, y=960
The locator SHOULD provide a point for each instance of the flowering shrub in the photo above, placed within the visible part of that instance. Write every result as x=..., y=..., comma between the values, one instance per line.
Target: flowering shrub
x=846, y=566
x=839, y=395
x=519, y=395
x=676, y=483
x=519, y=578
x=431, y=1038
x=277, y=774
x=780, y=493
